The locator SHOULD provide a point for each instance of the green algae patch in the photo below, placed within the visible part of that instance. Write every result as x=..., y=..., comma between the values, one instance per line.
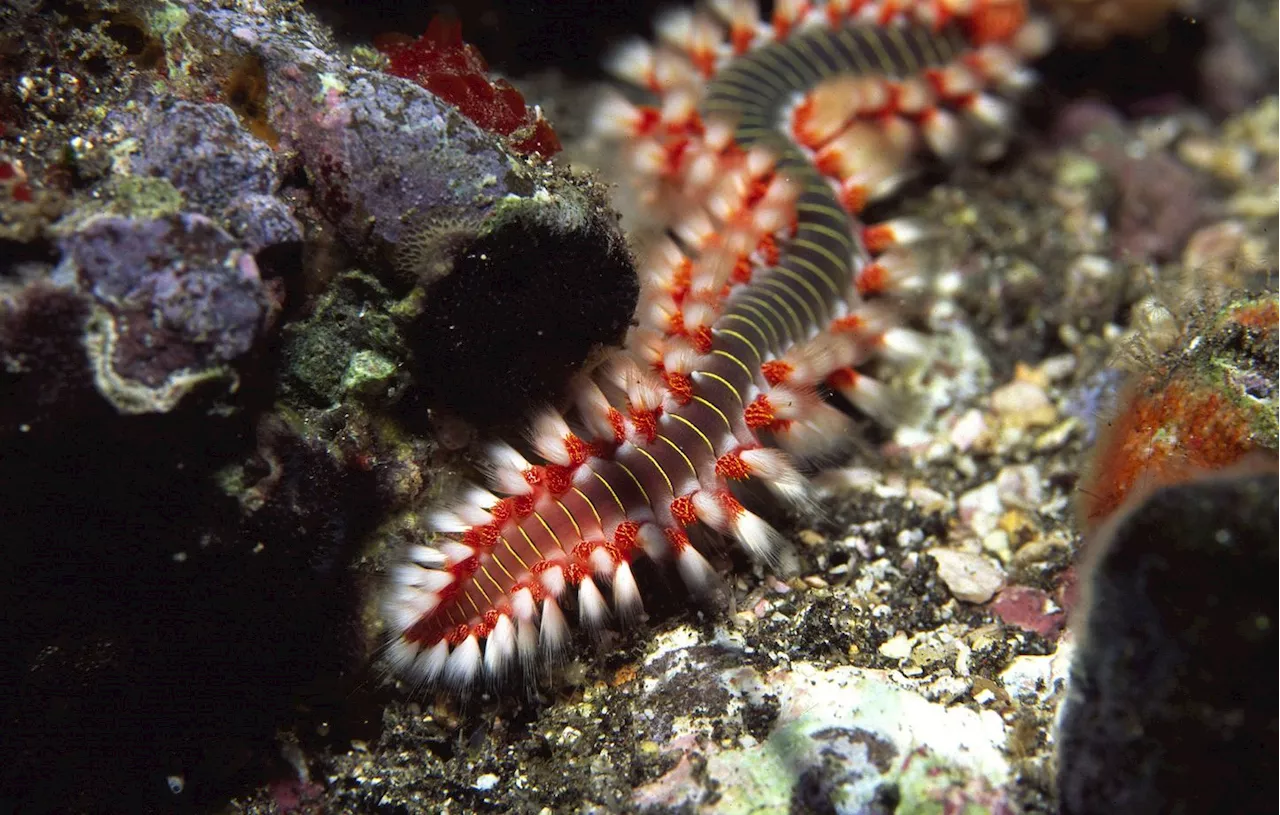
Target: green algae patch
x=350, y=345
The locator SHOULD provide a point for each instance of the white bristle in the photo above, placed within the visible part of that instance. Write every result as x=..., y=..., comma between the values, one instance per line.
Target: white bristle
x=554, y=631
x=694, y=569
x=430, y=663
x=943, y=134
x=478, y=496
x=906, y=230
x=662, y=262
x=711, y=272
x=736, y=10
x=593, y=408
x=790, y=11
x=813, y=360
x=726, y=199
x=658, y=310
x=617, y=370
x=700, y=170
x=647, y=343
x=678, y=108
x=428, y=556
x=447, y=522
x=553, y=581
x=601, y=562
x=471, y=514
x=791, y=402
x=718, y=134
x=902, y=345
x=427, y=579
x=632, y=61
x=874, y=399
x=626, y=594
x=990, y=111
x=527, y=642
x=644, y=391
x=913, y=96
x=407, y=574
x=463, y=663
x=821, y=432
x=455, y=551
x=779, y=474
x=698, y=314
x=956, y=80
x=409, y=604
x=760, y=539
x=652, y=541
x=1018, y=81
x=592, y=609
x=506, y=469
x=672, y=70
x=616, y=117
x=680, y=358
x=675, y=27
x=499, y=647
x=648, y=157
x=1034, y=39
x=760, y=161
x=902, y=270
x=547, y=437
x=523, y=605
x=400, y=654
x=695, y=229
x=769, y=219
x=711, y=510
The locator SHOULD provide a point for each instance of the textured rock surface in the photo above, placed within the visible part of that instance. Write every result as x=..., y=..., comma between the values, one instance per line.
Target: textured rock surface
x=175, y=299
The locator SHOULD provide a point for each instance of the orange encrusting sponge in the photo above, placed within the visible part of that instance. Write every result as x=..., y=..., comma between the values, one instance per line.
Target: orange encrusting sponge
x=1162, y=436
x=1177, y=424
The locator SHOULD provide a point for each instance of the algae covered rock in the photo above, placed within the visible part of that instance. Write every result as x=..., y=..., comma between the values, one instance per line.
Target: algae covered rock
x=174, y=300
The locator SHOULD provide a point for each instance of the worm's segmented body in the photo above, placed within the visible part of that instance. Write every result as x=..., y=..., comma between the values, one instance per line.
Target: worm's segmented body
x=767, y=141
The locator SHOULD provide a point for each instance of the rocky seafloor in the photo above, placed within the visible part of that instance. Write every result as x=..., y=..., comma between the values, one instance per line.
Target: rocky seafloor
x=259, y=300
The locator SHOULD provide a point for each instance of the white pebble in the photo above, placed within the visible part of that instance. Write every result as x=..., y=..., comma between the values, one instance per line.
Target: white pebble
x=971, y=578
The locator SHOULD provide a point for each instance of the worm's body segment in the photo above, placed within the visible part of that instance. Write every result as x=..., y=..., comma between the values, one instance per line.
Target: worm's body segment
x=766, y=142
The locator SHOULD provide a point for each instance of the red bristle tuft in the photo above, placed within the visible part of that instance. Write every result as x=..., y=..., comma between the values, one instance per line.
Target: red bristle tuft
x=776, y=371
x=681, y=386
x=730, y=466
x=682, y=510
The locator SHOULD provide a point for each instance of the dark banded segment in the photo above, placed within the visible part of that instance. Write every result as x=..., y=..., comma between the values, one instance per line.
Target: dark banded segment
x=787, y=303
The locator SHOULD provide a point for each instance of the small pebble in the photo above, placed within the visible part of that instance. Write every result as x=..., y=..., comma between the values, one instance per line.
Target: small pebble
x=971, y=578
x=1023, y=403
x=1020, y=486
x=896, y=647
x=980, y=508
x=968, y=430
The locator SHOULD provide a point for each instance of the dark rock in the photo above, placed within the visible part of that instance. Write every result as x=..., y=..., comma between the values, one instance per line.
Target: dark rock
x=1172, y=704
